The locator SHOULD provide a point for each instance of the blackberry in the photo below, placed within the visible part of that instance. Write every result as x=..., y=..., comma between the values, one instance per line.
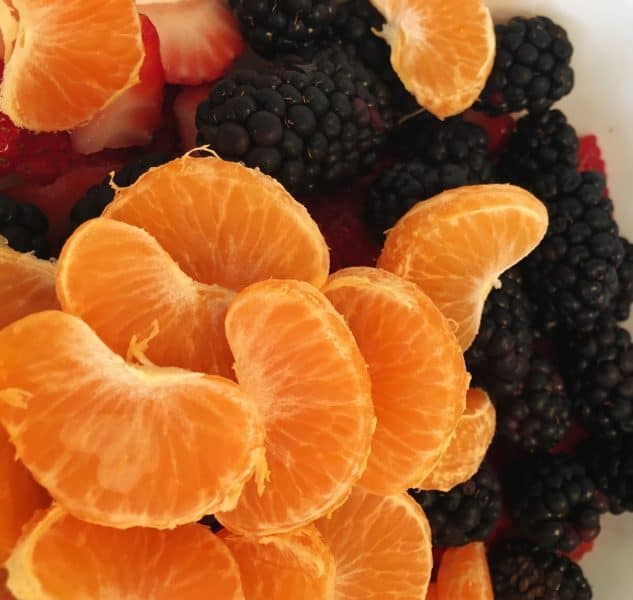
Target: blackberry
x=280, y=27
x=624, y=298
x=212, y=523
x=499, y=358
x=531, y=69
x=307, y=125
x=467, y=513
x=539, y=143
x=519, y=571
x=97, y=197
x=553, y=501
x=573, y=273
x=610, y=465
x=24, y=226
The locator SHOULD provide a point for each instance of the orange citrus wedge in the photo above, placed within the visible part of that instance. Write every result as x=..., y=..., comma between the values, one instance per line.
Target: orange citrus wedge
x=464, y=574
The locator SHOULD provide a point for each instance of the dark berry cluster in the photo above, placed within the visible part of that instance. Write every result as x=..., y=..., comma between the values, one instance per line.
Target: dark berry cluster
x=24, y=226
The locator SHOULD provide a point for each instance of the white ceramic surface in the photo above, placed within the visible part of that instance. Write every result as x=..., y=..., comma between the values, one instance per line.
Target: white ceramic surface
x=601, y=103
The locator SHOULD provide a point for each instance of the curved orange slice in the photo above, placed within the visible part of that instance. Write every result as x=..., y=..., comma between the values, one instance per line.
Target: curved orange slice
x=418, y=375
x=27, y=285
x=464, y=574
x=61, y=557
x=54, y=79
x=381, y=547
x=121, y=445
x=119, y=280
x=456, y=245
x=468, y=445
x=296, y=356
x=297, y=564
x=224, y=223
x=431, y=593
x=442, y=50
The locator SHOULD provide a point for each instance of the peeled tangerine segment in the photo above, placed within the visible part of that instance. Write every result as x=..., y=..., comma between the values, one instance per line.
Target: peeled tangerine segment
x=117, y=444
x=468, y=444
x=464, y=574
x=418, y=375
x=297, y=565
x=298, y=359
x=118, y=279
x=224, y=223
x=62, y=558
x=381, y=547
x=455, y=246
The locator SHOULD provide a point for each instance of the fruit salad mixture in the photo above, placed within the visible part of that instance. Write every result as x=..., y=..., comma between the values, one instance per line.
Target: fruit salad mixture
x=303, y=299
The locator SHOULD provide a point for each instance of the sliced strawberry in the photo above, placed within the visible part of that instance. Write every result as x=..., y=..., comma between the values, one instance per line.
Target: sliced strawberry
x=185, y=106
x=590, y=155
x=134, y=116
x=199, y=39
x=497, y=128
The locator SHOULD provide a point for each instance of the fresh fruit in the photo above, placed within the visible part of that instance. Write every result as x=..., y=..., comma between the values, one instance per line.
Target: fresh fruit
x=381, y=547
x=27, y=285
x=467, y=447
x=20, y=497
x=624, y=298
x=199, y=39
x=133, y=117
x=498, y=130
x=117, y=432
x=590, y=155
x=418, y=376
x=531, y=69
x=278, y=567
x=297, y=358
x=24, y=226
x=135, y=291
x=5, y=594
x=59, y=61
x=60, y=557
x=309, y=126
x=185, y=107
x=464, y=574
x=223, y=223
x=442, y=50
x=467, y=513
x=456, y=245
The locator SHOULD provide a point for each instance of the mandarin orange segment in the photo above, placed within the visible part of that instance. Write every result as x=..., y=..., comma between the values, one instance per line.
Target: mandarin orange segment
x=431, y=593
x=296, y=356
x=119, y=280
x=118, y=444
x=27, y=285
x=224, y=223
x=417, y=370
x=20, y=497
x=62, y=558
x=297, y=564
x=456, y=245
x=381, y=547
x=468, y=445
x=442, y=50
x=464, y=574
x=54, y=58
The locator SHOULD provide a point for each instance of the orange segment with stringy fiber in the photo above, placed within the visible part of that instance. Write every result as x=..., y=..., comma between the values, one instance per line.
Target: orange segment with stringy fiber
x=464, y=574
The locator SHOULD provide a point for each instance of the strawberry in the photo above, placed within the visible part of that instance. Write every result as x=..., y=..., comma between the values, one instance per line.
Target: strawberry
x=185, y=106
x=497, y=128
x=590, y=155
x=133, y=117
x=199, y=39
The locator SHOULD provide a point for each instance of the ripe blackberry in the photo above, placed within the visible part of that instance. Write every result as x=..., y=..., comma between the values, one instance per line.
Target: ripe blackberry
x=624, y=298
x=467, y=513
x=279, y=27
x=499, y=358
x=519, y=571
x=610, y=465
x=553, y=501
x=573, y=273
x=531, y=69
x=212, y=523
x=539, y=143
x=308, y=125
x=24, y=226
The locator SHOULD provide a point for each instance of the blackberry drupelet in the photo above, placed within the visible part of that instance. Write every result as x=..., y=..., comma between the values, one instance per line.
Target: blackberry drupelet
x=404, y=184
x=573, y=273
x=499, y=358
x=308, y=125
x=519, y=571
x=624, y=297
x=468, y=513
x=610, y=465
x=531, y=69
x=279, y=27
x=553, y=501
x=212, y=523
x=24, y=226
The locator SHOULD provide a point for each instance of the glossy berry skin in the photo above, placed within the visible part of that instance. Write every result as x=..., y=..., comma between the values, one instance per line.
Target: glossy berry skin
x=24, y=226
